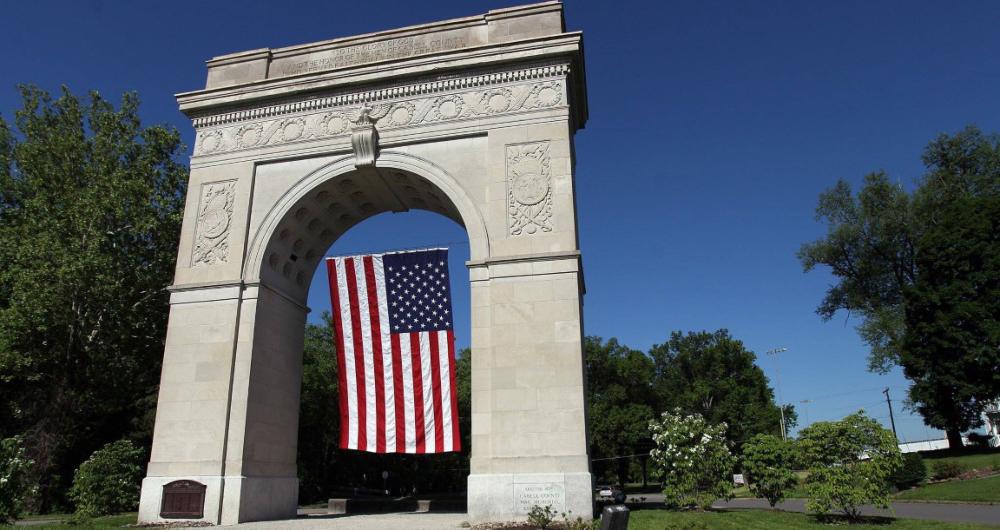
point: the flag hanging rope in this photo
(444, 245)
(392, 319)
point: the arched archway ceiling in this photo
(318, 219)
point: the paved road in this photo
(952, 513)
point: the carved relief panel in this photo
(214, 223)
(529, 188)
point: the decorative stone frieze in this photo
(529, 188)
(215, 218)
(336, 115)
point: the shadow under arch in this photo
(314, 212)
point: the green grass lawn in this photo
(974, 490)
(112, 521)
(763, 519)
(982, 460)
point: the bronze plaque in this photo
(183, 499)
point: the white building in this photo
(991, 422)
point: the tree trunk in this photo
(644, 460)
(954, 438)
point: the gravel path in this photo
(388, 521)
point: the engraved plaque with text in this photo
(183, 499)
(528, 495)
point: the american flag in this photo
(395, 352)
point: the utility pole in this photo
(781, 404)
(892, 420)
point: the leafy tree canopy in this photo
(714, 375)
(90, 213)
(921, 270)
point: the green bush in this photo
(850, 464)
(108, 482)
(946, 469)
(541, 516)
(768, 462)
(912, 473)
(13, 479)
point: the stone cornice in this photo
(413, 106)
(563, 48)
(382, 94)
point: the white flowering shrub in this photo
(13, 479)
(694, 458)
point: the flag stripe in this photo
(397, 378)
(444, 361)
(418, 393)
(456, 438)
(347, 341)
(428, 393)
(388, 380)
(359, 353)
(376, 356)
(435, 360)
(368, 355)
(406, 352)
(331, 272)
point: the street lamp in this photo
(781, 405)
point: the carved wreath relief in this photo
(343, 119)
(215, 217)
(529, 188)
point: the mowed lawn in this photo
(983, 460)
(977, 490)
(98, 523)
(764, 519)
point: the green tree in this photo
(714, 375)
(319, 418)
(851, 462)
(952, 344)
(769, 463)
(869, 247)
(90, 213)
(921, 272)
(694, 457)
(620, 401)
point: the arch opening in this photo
(322, 209)
(325, 204)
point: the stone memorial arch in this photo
(472, 118)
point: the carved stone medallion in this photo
(529, 188)
(215, 217)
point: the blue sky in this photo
(713, 128)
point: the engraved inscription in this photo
(529, 188)
(215, 217)
(374, 51)
(539, 494)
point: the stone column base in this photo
(510, 496)
(243, 499)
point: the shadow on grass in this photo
(873, 520)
